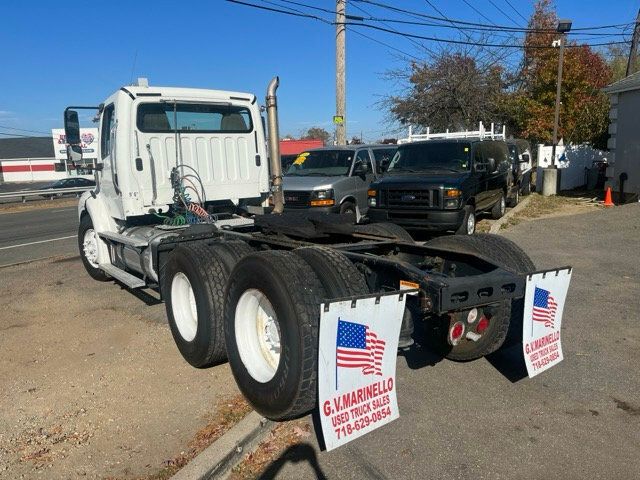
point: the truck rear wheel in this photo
(272, 315)
(386, 230)
(336, 273)
(193, 281)
(88, 246)
(491, 326)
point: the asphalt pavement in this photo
(483, 420)
(37, 233)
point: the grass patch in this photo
(285, 443)
(227, 413)
(38, 205)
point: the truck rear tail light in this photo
(483, 323)
(456, 332)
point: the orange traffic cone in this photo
(608, 202)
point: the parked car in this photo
(441, 185)
(521, 169)
(77, 182)
(334, 179)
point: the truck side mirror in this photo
(525, 158)
(491, 164)
(361, 169)
(72, 127)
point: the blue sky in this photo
(72, 52)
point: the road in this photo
(33, 234)
(482, 420)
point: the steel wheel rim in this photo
(90, 247)
(257, 335)
(471, 223)
(183, 307)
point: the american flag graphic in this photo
(544, 307)
(358, 347)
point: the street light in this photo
(550, 186)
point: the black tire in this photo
(386, 230)
(506, 316)
(348, 208)
(86, 224)
(207, 272)
(468, 227)
(338, 275)
(514, 199)
(295, 294)
(232, 251)
(499, 208)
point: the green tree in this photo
(316, 133)
(449, 91)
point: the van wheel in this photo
(193, 280)
(348, 208)
(499, 208)
(272, 315)
(468, 225)
(88, 246)
(515, 197)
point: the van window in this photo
(383, 157)
(195, 118)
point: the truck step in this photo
(117, 237)
(129, 280)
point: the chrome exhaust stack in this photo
(274, 146)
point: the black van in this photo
(440, 185)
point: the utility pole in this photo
(633, 53)
(556, 120)
(341, 123)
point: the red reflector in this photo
(457, 330)
(483, 323)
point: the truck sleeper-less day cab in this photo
(441, 185)
(335, 179)
(181, 208)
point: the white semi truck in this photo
(184, 177)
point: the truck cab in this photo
(168, 156)
(440, 185)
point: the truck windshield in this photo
(452, 156)
(322, 162)
(196, 118)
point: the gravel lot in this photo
(91, 383)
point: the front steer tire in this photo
(280, 384)
(195, 317)
(86, 230)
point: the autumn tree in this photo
(450, 91)
(316, 133)
(584, 108)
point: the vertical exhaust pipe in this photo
(274, 146)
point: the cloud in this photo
(5, 113)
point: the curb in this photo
(218, 458)
(495, 228)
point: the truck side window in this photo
(478, 155)
(105, 131)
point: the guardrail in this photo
(46, 192)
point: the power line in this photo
(518, 12)
(24, 130)
(456, 24)
(501, 27)
(508, 17)
(421, 37)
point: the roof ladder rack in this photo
(482, 133)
